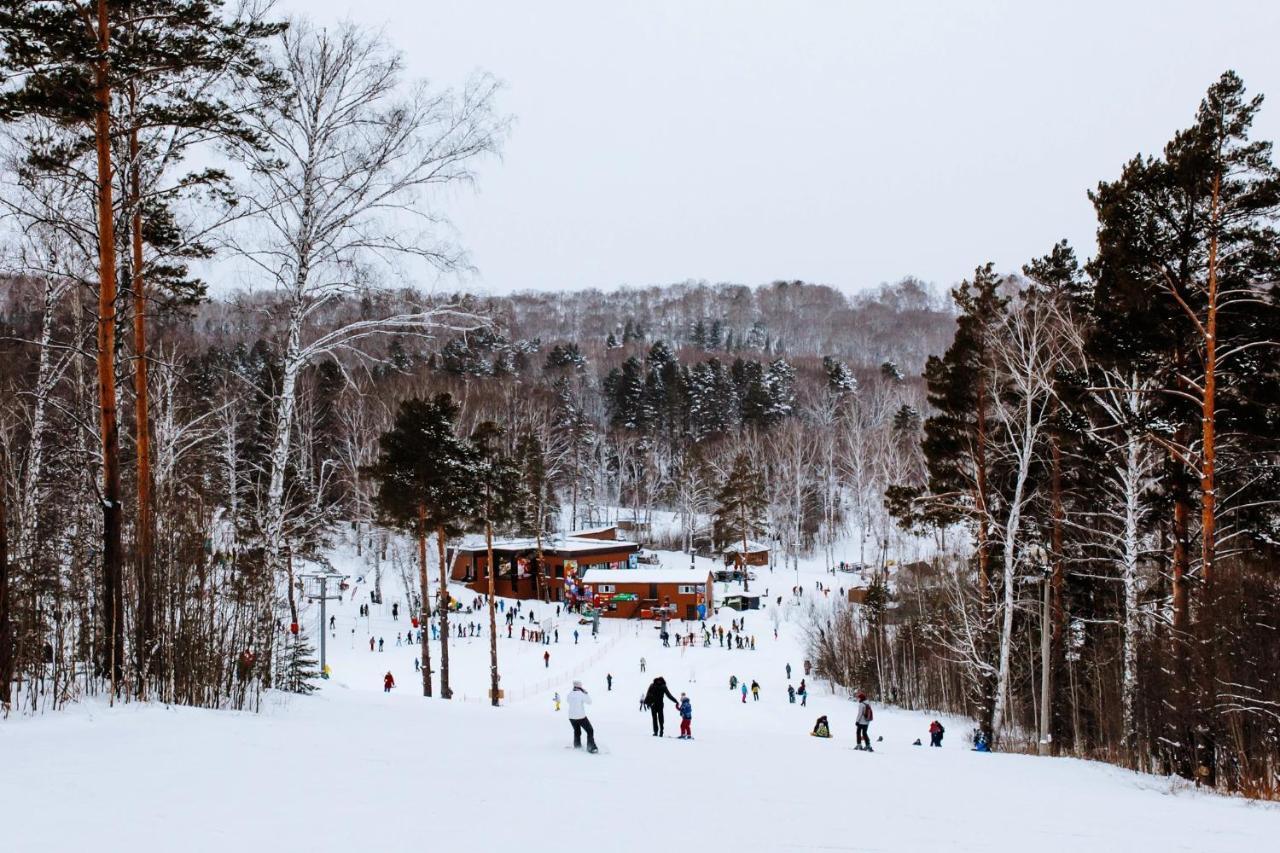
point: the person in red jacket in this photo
(388, 682)
(546, 660)
(936, 731)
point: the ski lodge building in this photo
(564, 558)
(638, 593)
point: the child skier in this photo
(863, 721)
(388, 681)
(686, 718)
(556, 699)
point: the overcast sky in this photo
(848, 143)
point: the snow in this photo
(561, 545)
(595, 576)
(354, 768)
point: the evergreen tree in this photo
(740, 510)
(426, 478)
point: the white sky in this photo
(841, 142)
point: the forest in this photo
(1062, 479)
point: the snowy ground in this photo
(353, 769)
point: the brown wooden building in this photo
(521, 575)
(756, 554)
(638, 593)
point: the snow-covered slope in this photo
(354, 769)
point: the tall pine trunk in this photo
(112, 510)
(424, 609)
(6, 629)
(442, 606)
(1206, 624)
(146, 613)
(493, 618)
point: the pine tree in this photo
(300, 668)
(740, 508)
(426, 477)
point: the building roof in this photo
(620, 576)
(560, 545)
(752, 548)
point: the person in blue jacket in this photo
(686, 718)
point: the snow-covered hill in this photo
(354, 769)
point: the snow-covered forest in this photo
(1060, 481)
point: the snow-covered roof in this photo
(593, 531)
(563, 545)
(616, 576)
(752, 548)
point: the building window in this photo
(689, 589)
(606, 587)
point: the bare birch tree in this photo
(352, 156)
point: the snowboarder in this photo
(755, 691)
(578, 702)
(863, 721)
(686, 717)
(653, 699)
(546, 660)
(821, 728)
(608, 680)
(388, 681)
(936, 731)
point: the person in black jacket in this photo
(654, 700)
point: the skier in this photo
(686, 717)
(803, 693)
(755, 691)
(743, 685)
(546, 660)
(417, 665)
(333, 621)
(788, 672)
(642, 664)
(653, 699)
(379, 644)
(733, 682)
(578, 702)
(388, 681)
(936, 731)
(575, 636)
(791, 694)
(608, 680)
(863, 722)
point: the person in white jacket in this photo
(579, 699)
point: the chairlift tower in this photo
(316, 588)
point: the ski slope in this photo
(352, 768)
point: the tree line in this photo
(1105, 434)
